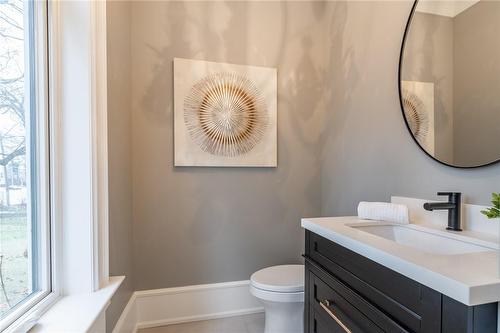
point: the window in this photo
(25, 277)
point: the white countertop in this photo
(471, 278)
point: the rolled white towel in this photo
(383, 211)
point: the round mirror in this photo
(449, 80)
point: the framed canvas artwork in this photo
(225, 115)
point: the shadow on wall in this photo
(202, 212)
(222, 39)
(343, 120)
(157, 102)
(305, 94)
(344, 74)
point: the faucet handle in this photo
(452, 196)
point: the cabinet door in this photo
(458, 318)
(415, 307)
(329, 302)
(328, 309)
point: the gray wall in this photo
(342, 137)
(205, 225)
(428, 57)
(477, 84)
(119, 154)
(368, 153)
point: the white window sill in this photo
(77, 313)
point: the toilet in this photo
(281, 291)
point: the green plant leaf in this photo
(493, 212)
(496, 200)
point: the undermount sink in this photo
(430, 242)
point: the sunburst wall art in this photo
(224, 114)
(418, 104)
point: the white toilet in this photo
(281, 290)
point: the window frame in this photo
(78, 168)
(41, 61)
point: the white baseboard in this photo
(159, 307)
(127, 323)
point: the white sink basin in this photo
(425, 241)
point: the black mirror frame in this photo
(407, 28)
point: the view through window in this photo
(21, 113)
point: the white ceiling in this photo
(450, 8)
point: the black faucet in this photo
(454, 207)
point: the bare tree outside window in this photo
(15, 264)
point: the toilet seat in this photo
(273, 296)
(282, 278)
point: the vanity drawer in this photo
(415, 307)
(322, 323)
(333, 305)
(324, 326)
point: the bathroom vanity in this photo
(376, 277)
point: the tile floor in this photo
(253, 323)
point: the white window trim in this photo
(92, 33)
(100, 144)
(79, 172)
(82, 143)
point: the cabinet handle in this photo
(325, 304)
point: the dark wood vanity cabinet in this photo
(346, 292)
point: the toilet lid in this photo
(283, 278)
